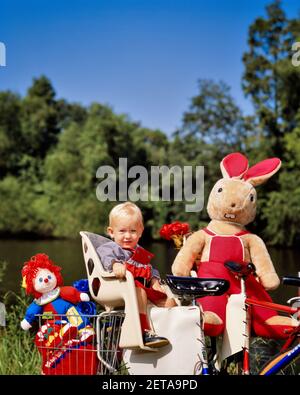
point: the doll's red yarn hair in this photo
(30, 269)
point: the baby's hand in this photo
(119, 270)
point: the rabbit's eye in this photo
(251, 198)
(220, 189)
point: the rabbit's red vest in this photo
(224, 248)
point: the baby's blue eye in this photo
(40, 280)
(49, 277)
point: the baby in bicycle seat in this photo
(124, 253)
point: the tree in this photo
(40, 118)
(269, 79)
(282, 209)
(70, 169)
(11, 139)
(212, 127)
(215, 118)
(51, 150)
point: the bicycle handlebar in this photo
(291, 280)
(240, 269)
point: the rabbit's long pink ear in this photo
(262, 171)
(234, 165)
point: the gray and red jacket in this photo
(137, 261)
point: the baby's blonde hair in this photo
(126, 210)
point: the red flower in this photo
(179, 228)
(175, 231)
(165, 232)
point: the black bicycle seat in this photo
(197, 287)
(291, 280)
(241, 269)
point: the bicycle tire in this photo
(274, 365)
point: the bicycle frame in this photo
(233, 342)
(290, 355)
(183, 325)
(281, 361)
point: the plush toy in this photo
(65, 326)
(231, 206)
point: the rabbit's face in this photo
(232, 200)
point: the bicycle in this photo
(119, 338)
(289, 352)
(187, 290)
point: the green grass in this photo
(18, 354)
(263, 350)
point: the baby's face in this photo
(126, 233)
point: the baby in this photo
(124, 253)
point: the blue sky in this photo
(141, 57)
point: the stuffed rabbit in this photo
(231, 206)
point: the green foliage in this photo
(269, 77)
(50, 149)
(11, 140)
(39, 118)
(18, 354)
(16, 212)
(3, 266)
(282, 210)
(215, 118)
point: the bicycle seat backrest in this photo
(291, 280)
(97, 240)
(112, 293)
(196, 287)
(240, 269)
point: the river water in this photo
(68, 255)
